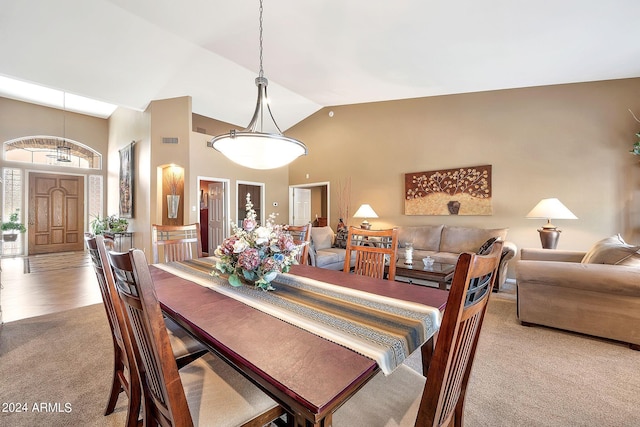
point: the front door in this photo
(56, 213)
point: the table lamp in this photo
(365, 211)
(548, 209)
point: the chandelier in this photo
(262, 145)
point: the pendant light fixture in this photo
(262, 145)
(63, 151)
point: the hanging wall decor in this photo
(126, 181)
(462, 191)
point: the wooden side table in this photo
(437, 272)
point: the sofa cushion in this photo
(468, 239)
(322, 237)
(613, 250)
(423, 238)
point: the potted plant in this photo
(13, 227)
(110, 224)
(116, 224)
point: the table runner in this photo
(384, 329)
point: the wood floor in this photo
(26, 295)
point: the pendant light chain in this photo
(261, 73)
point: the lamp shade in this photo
(550, 209)
(365, 211)
(259, 150)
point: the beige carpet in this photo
(522, 376)
(58, 261)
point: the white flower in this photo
(262, 235)
(240, 246)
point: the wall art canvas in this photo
(462, 191)
(126, 181)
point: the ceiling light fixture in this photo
(262, 145)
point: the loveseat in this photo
(595, 292)
(441, 242)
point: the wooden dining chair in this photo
(207, 391)
(175, 242)
(185, 348)
(374, 249)
(301, 235)
(125, 372)
(406, 398)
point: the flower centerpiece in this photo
(256, 253)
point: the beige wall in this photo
(21, 119)
(127, 126)
(569, 141)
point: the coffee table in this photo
(437, 272)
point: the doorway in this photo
(255, 190)
(318, 205)
(55, 213)
(214, 212)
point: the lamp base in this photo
(365, 225)
(549, 237)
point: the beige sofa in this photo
(562, 289)
(445, 243)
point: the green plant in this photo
(98, 225)
(110, 223)
(636, 147)
(14, 223)
(117, 225)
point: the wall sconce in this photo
(365, 211)
(548, 209)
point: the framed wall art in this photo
(461, 191)
(126, 181)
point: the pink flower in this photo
(285, 242)
(227, 245)
(249, 224)
(249, 259)
(270, 264)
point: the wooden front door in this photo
(56, 213)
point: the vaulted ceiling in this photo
(316, 53)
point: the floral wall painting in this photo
(126, 181)
(462, 191)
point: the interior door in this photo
(301, 206)
(56, 213)
(217, 219)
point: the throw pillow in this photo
(613, 250)
(341, 238)
(485, 249)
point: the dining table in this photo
(309, 375)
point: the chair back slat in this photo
(165, 401)
(301, 235)
(175, 242)
(450, 367)
(374, 250)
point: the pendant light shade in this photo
(262, 145)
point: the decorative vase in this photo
(454, 207)
(408, 253)
(173, 201)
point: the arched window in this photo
(52, 150)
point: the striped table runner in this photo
(384, 329)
